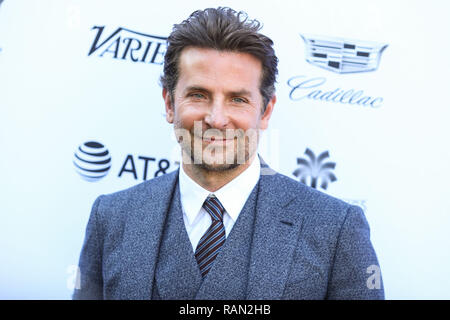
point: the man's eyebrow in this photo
(241, 92)
(195, 88)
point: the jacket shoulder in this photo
(119, 204)
(149, 188)
(322, 213)
(309, 197)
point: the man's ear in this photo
(267, 113)
(169, 106)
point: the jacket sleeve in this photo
(90, 264)
(355, 273)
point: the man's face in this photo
(217, 107)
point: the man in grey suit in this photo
(224, 226)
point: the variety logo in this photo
(129, 45)
(315, 169)
(92, 161)
(343, 55)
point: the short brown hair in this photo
(222, 29)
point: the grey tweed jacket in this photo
(306, 244)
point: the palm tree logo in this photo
(316, 168)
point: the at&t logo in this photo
(92, 161)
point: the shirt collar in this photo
(233, 195)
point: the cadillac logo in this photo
(343, 55)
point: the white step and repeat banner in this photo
(362, 114)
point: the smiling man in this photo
(224, 226)
(217, 109)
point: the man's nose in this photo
(217, 116)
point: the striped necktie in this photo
(210, 243)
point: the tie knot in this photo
(215, 209)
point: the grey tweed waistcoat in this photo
(177, 275)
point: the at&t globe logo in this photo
(92, 161)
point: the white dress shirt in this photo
(232, 196)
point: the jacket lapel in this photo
(277, 228)
(142, 237)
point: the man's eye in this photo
(239, 100)
(197, 95)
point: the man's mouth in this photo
(213, 139)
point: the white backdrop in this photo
(391, 159)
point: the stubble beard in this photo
(219, 157)
(217, 161)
